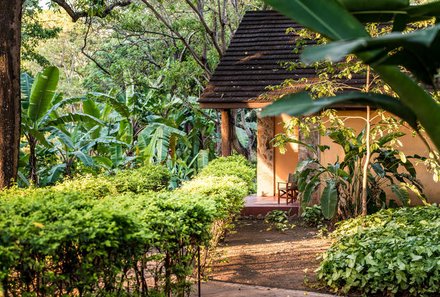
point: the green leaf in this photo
(74, 117)
(309, 190)
(42, 93)
(202, 159)
(54, 174)
(90, 108)
(84, 158)
(303, 104)
(378, 169)
(336, 51)
(329, 200)
(389, 137)
(374, 5)
(401, 193)
(106, 162)
(63, 137)
(431, 9)
(39, 136)
(118, 106)
(327, 17)
(26, 82)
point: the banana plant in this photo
(41, 110)
(389, 168)
(74, 145)
(341, 22)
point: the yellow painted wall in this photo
(411, 145)
(284, 163)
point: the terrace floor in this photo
(258, 205)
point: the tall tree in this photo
(10, 39)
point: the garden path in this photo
(254, 256)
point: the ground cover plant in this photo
(111, 235)
(393, 252)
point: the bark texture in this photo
(10, 31)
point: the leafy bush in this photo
(392, 253)
(312, 216)
(139, 180)
(278, 220)
(110, 235)
(234, 165)
(228, 191)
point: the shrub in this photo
(228, 191)
(145, 178)
(235, 166)
(278, 220)
(392, 252)
(139, 180)
(110, 236)
(312, 216)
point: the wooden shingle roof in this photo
(254, 62)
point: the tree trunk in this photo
(10, 31)
(33, 176)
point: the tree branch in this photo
(180, 37)
(208, 30)
(76, 15)
(83, 50)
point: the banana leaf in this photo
(42, 93)
(303, 104)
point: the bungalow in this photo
(255, 61)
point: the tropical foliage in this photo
(340, 183)
(100, 131)
(112, 235)
(334, 20)
(391, 253)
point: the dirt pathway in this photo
(255, 256)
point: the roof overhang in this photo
(233, 105)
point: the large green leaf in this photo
(425, 10)
(303, 104)
(202, 159)
(39, 136)
(327, 17)
(64, 138)
(401, 193)
(331, 19)
(312, 185)
(329, 200)
(416, 51)
(26, 82)
(118, 106)
(336, 51)
(76, 117)
(103, 140)
(373, 5)
(43, 91)
(89, 107)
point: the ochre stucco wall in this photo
(282, 164)
(411, 145)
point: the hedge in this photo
(232, 166)
(111, 236)
(390, 253)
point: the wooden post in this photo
(226, 132)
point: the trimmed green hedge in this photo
(390, 253)
(111, 236)
(232, 166)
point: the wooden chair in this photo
(288, 190)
